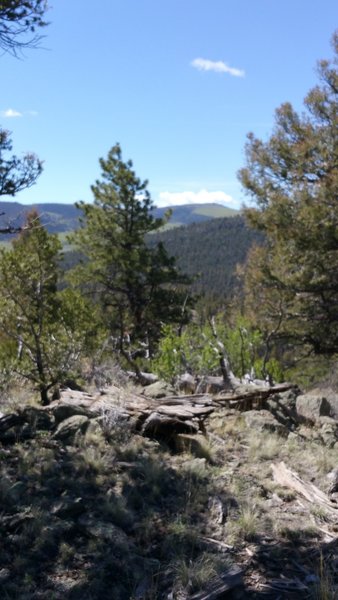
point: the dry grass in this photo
(152, 507)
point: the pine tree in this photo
(139, 287)
(19, 22)
(293, 177)
(42, 329)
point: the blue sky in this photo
(178, 83)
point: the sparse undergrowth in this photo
(114, 515)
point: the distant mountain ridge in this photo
(57, 218)
(64, 218)
(195, 213)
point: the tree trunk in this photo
(44, 395)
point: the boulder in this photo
(195, 465)
(333, 477)
(68, 507)
(332, 398)
(24, 424)
(67, 429)
(328, 431)
(186, 383)
(311, 406)
(101, 530)
(211, 385)
(37, 418)
(263, 420)
(65, 410)
(159, 389)
(283, 408)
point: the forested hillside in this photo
(210, 252)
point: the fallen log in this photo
(193, 399)
(250, 398)
(186, 411)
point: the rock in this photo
(328, 431)
(63, 411)
(263, 420)
(68, 428)
(146, 378)
(24, 424)
(332, 398)
(68, 507)
(196, 465)
(283, 408)
(186, 383)
(71, 400)
(102, 530)
(333, 477)
(37, 418)
(11, 493)
(311, 406)
(159, 389)
(162, 427)
(5, 574)
(211, 385)
(97, 433)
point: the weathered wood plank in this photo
(290, 479)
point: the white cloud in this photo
(201, 197)
(203, 64)
(10, 113)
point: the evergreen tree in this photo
(139, 287)
(42, 329)
(19, 22)
(16, 174)
(293, 177)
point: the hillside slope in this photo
(210, 252)
(207, 248)
(92, 508)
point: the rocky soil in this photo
(138, 494)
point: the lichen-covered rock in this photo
(331, 397)
(186, 383)
(64, 411)
(328, 431)
(159, 389)
(311, 406)
(67, 429)
(263, 420)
